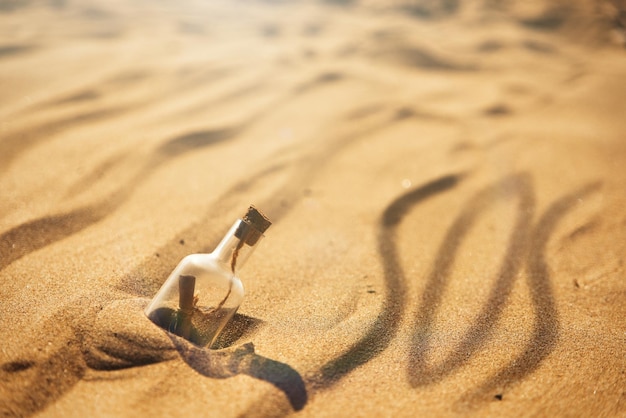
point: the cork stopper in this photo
(252, 227)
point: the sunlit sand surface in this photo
(446, 181)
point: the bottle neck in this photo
(237, 245)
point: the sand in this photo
(445, 180)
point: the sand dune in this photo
(445, 180)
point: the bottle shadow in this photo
(221, 364)
(122, 337)
(225, 360)
(240, 326)
(119, 336)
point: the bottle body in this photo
(197, 300)
(204, 291)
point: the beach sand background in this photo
(446, 181)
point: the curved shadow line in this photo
(44, 231)
(385, 327)
(21, 141)
(547, 327)
(31, 236)
(8, 51)
(419, 57)
(196, 140)
(38, 233)
(98, 171)
(419, 372)
(40, 392)
(40, 383)
(18, 143)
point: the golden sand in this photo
(446, 182)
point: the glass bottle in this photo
(204, 291)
